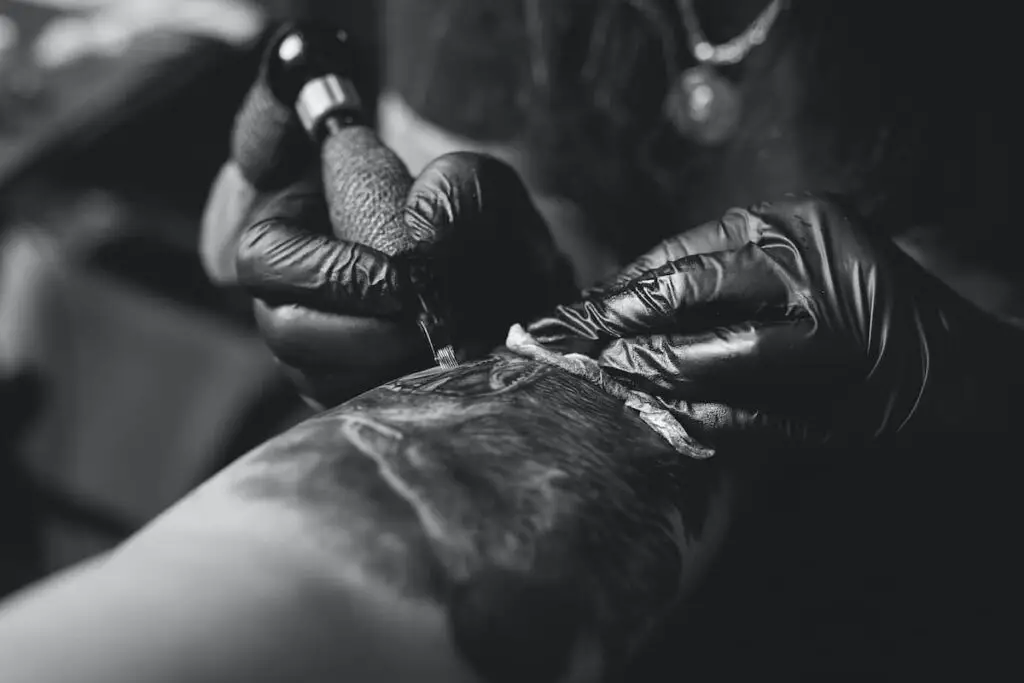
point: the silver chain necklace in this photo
(703, 105)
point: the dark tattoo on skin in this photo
(534, 506)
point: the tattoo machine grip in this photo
(309, 68)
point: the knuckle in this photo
(427, 215)
(251, 248)
(338, 268)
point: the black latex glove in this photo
(789, 322)
(341, 317)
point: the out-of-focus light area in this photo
(126, 377)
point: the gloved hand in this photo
(789, 323)
(341, 316)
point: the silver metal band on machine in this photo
(323, 96)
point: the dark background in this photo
(151, 378)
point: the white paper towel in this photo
(650, 410)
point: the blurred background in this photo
(125, 376)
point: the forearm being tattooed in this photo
(519, 523)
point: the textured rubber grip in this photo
(268, 142)
(367, 188)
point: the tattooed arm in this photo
(496, 522)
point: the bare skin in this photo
(454, 517)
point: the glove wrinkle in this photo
(814, 328)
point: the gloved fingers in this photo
(685, 294)
(720, 425)
(234, 204)
(463, 193)
(319, 342)
(729, 233)
(280, 260)
(492, 255)
(301, 202)
(737, 363)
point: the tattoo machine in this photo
(307, 70)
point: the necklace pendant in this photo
(703, 106)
